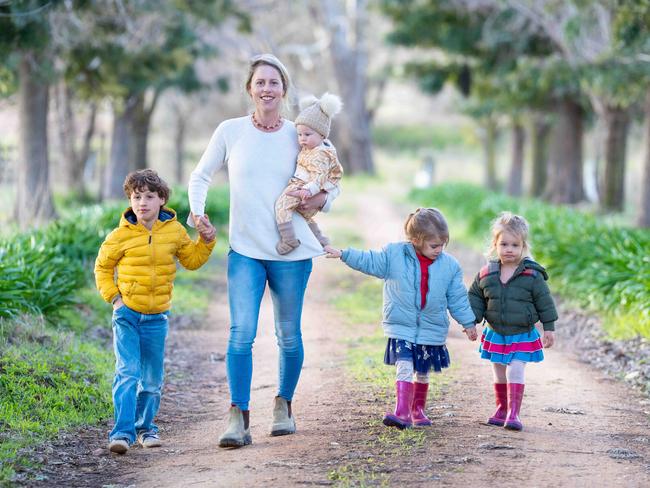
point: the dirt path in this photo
(581, 429)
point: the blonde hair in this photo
(273, 62)
(512, 224)
(426, 223)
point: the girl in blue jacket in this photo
(421, 282)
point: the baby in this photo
(318, 169)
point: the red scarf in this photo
(424, 276)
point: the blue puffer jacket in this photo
(398, 266)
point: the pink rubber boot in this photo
(501, 396)
(419, 403)
(515, 396)
(401, 418)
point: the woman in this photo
(260, 150)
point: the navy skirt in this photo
(425, 358)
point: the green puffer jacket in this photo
(516, 306)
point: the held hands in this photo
(472, 335)
(206, 230)
(549, 339)
(332, 252)
(311, 203)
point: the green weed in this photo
(348, 476)
(361, 300)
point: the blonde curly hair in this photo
(512, 224)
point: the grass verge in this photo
(56, 374)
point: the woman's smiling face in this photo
(266, 89)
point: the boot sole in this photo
(498, 423)
(275, 433)
(426, 423)
(391, 422)
(236, 442)
(513, 426)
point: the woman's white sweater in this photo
(260, 165)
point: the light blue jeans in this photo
(139, 345)
(247, 278)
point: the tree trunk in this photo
(33, 196)
(617, 121)
(643, 218)
(539, 142)
(179, 144)
(517, 167)
(84, 154)
(141, 123)
(350, 66)
(489, 132)
(71, 174)
(119, 163)
(565, 181)
(74, 162)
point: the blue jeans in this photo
(247, 278)
(139, 345)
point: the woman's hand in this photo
(204, 227)
(332, 252)
(549, 339)
(310, 204)
(206, 230)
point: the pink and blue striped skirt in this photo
(503, 349)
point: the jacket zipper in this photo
(418, 306)
(153, 271)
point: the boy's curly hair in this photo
(426, 223)
(146, 179)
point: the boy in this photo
(141, 250)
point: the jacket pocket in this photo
(127, 289)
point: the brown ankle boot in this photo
(288, 241)
(324, 241)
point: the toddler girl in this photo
(421, 282)
(510, 292)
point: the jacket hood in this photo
(129, 217)
(528, 263)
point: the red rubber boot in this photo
(501, 396)
(515, 396)
(401, 418)
(419, 403)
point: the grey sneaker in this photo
(283, 424)
(235, 434)
(118, 446)
(149, 439)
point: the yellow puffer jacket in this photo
(144, 260)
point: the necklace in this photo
(256, 123)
